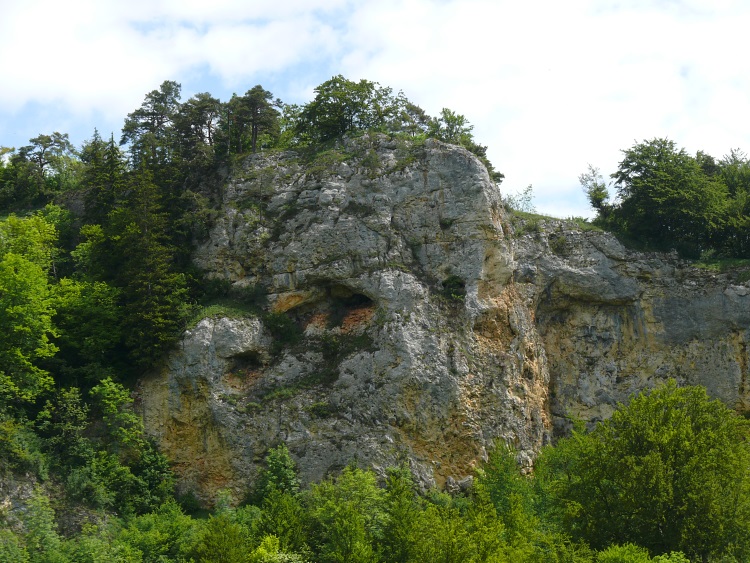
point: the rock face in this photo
(615, 322)
(408, 320)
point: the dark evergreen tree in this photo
(103, 177)
(196, 125)
(149, 130)
(154, 291)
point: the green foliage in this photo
(196, 124)
(454, 288)
(269, 551)
(451, 128)
(341, 106)
(628, 553)
(323, 163)
(21, 448)
(509, 491)
(454, 128)
(106, 462)
(166, 534)
(114, 406)
(668, 199)
(87, 318)
(347, 517)
(102, 545)
(222, 541)
(12, 549)
(283, 516)
(558, 244)
(40, 538)
(38, 171)
(669, 472)
(61, 423)
(284, 330)
(522, 201)
(401, 509)
(441, 535)
(280, 474)
(595, 189)
(252, 121)
(26, 324)
(321, 409)
(527, 223)
(32, 237)
(631, 553)
(154, 293)
(103, 178)
(148, 129)
(584, 224)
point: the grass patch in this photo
(323, 163)
(286, 392)
(737, 268)
(584, 224)
(524, 222)
(558, 244)
(446, 223)
(285, 331)
(222, 308)
(722, 265)
(371, 162)
(321, 409)
(453, 288)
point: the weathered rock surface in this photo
(615, 322)
(390, 366)
(417, 326)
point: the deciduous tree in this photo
(666, 199)
(669, 472)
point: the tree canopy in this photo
(670, 472)
(667, 199)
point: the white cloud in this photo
(552, 86)
(548, 85)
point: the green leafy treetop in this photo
(667, 199)
(280, 474)
(148, 129)
(26, 308)
(669, 472)
(341, 106)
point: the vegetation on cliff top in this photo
(667, 199)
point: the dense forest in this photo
(96, 284)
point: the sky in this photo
(549, 86)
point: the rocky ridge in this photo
(409, 320)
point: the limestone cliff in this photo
(408, 320)
(614, 321)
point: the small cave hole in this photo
(345, 304)
(245, 370)
(246, 362)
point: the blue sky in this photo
(549, 86)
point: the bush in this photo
(670, 472)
